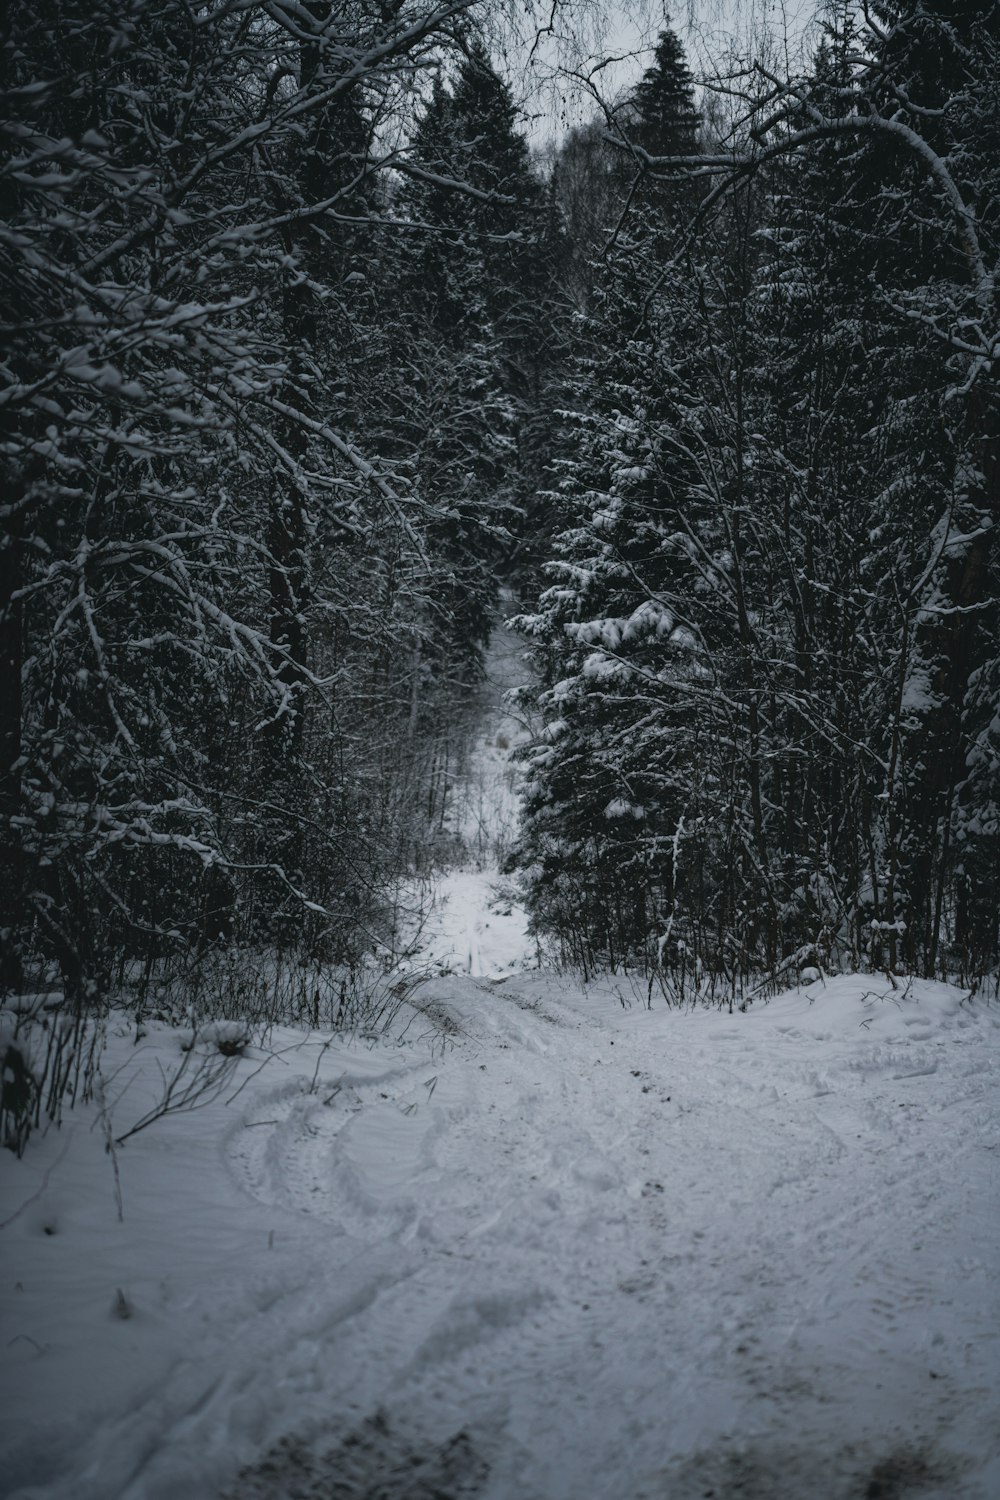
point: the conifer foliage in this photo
(768, 651)
(248, 516)
(302, 359)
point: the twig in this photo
(109, 1142)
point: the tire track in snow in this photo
(719, 1254)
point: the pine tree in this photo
(935, 75)
(210, 593)
(616, 633)
(466, 284)
(828, 470)
(805, 489)
(667, 120)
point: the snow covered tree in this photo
(209, 572)
(617, 633)
(806, 491)
(884, 130)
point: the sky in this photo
(595, 52)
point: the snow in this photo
(568, 1245)
(477, 929)
(600, 668)
(543, 1240)
(477, 926)
(617, 808)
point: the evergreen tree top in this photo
(468, 132)
(667, 119)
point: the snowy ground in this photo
(475, 927)
(542, 1246)
(542, 1243)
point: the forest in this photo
(313, 360)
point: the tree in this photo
(473, 345)
(904, 105)
(618, 650)
(663, 104)
(205, 572)
(808, 487)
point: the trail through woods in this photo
(540, 1243)
(476, 926)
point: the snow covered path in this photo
(539, 1246)
(538, 1243)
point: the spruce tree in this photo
(666, 118)
(466, 282)
(614, 633)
